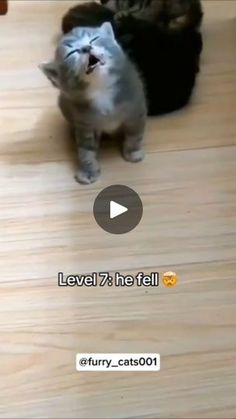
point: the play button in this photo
(118, 209)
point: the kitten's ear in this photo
(51, 72)
(107, 30)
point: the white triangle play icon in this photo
(116, 209)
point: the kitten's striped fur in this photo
(100, 92)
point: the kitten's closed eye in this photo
(71, 52)
(94, 39)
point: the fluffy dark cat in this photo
(170, 15)
(168, 61)
(86, 15)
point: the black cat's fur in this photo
(169, 15)
(167, 62)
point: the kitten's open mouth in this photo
(93, 62)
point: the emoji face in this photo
(169, 279)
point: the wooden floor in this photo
(187, 184)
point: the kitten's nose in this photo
(86, 49)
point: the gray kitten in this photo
(100, 92)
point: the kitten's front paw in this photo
(134, 156)
(87, 177)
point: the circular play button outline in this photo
(118, 209)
